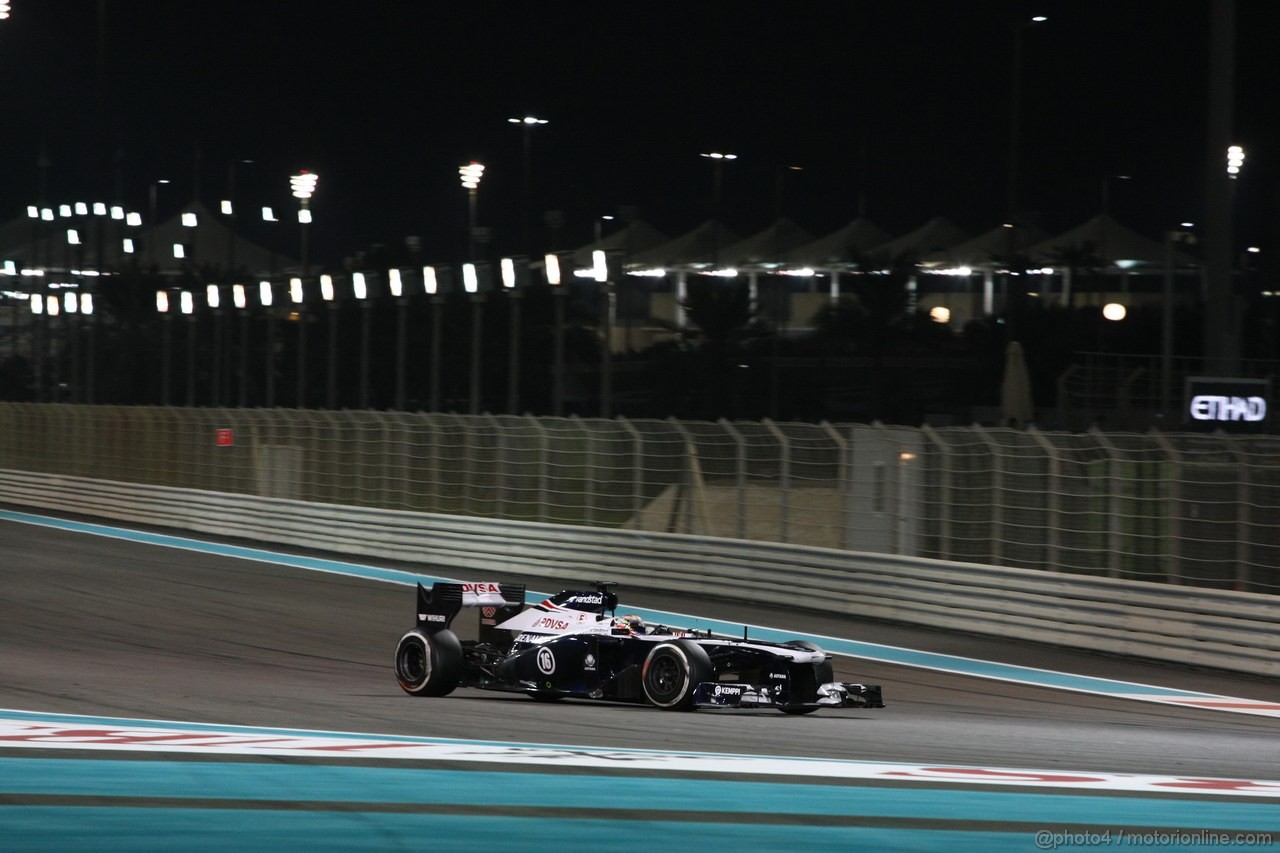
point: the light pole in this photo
(213, 298)
(162, 306)
(267, 298)
(331, 383)
(471, 283)
(240, 299)
(395, 284)
(527, 124)
(297, 296)
(37, 342)
(599, 229)
(151, 238)
(360, 290)
(303, 186)
(511, 285)
(86, 310)
(1015, 108)
(229, 210)
(470, 175)
(431, 285)
(717, 159)
(71, 310)
(1171, 239)
(1221, 320)
(187, 303)
(1106, 189)
(600, 272)
(780, 190)
(558, 294)
(71, 343)
(52, 308)
(717, 178)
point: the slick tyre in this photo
(820, 673)
(672, 672)
(428, 664)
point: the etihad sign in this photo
(1213, 407)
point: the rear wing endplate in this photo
(438, 605)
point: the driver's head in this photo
(630, 622)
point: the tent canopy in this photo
(980, 251)
(769, 246)
(635, 236)
(845, 247)
(938, 234)
(1108, 241)
(701, 246)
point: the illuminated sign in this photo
(1214, 407)
(1228, 404)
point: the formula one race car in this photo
(573, 645)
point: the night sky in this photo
(899, 110)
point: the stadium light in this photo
(1235, 160)
(470, 175)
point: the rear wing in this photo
(497, 602)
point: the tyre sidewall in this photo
(694, 667)
(442, 656)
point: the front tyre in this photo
(428, 664)
(672, 672)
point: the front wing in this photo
(837, 694)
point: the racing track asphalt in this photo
(93, 625)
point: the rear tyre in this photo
(672, 672)
(821, 673)
(428, 664)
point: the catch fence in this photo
(1180, 508)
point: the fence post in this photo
(1113, 510)
(1244, 527)
(689, 494)
(740, 475)
(784, 481)
(944, 491)
(842, 481)
(1053, 501)
(588, 459)
(499, 467)
(997, 495)
(1175, 501)
(637, 469)
(543, 468)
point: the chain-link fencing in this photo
(1180, 508)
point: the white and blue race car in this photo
(572, 645)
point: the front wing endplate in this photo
(837, 694)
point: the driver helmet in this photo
(630, 622)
